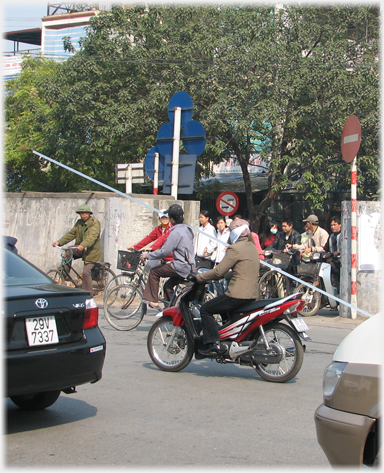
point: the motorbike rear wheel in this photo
(312, 300)
(293, 354)
(170, 347)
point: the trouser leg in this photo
(87, 278)
(218, 305)
(151, 291)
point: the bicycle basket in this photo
(128, 260)
(281, 259)
(306, 269)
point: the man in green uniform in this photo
(86, 233)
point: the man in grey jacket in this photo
(243, 258)
(180, 238)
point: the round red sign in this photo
(350, 139)
(227, 203)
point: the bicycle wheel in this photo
(312, 300)
(102, 281)
(273, 285)
(123, 307)
(118, 280)
(170, 347)
(55, 275)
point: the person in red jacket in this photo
(158, 235)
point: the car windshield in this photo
(17, 271)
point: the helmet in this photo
(84, 208)
(175, 211)
(162, 213)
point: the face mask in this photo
(274, 231)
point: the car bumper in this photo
(56, 368)
(342, 435)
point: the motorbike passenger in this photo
(179, 239)
(243, 258)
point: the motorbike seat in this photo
(252, 306)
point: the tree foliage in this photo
(285, 80)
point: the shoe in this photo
(213, 350)
(151, 305)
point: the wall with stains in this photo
(37, 219)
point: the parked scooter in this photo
(317, 272)
(265, 335)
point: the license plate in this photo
(41, 330)
(300, 325)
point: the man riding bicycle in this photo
(86, 233)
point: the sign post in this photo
(176, 152)
(350, 144)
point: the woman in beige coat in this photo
(243, 258)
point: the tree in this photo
(287, 78)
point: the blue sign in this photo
(193, 136)
(187, 165)
(149, 164)
(165, 138)
(184, 101)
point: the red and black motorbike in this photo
(264, 334)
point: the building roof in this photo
(31, 36)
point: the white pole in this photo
(156, 175)
(354, 236)
(176, 152)
(128, 180)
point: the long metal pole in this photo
(176, 152)
(354, 236)
(156, 175)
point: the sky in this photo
(19, 15)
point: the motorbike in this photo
(317, 271)
(263, 334)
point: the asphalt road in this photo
(208, 415)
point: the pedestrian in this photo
(205, 246)
(222, 234)
(256, 240)
(269, 235)
(86, 233)
(242, 257)
(333, 246)
(178, 242)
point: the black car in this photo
(53, 342)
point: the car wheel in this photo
(36, 401)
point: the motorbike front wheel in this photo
(170, 347)
(293, 354)
(312, 300)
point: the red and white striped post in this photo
(350, 144)
(156, 175)
(354, 236)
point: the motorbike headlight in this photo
(332, 375)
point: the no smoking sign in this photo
(227, 203)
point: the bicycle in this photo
(101, 274)
(124, 308)
(273, 284)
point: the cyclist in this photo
(86, 233)
(286, 239)
(180, 238)
(158, 236)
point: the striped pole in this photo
(354, 236)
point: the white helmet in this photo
(162, 213)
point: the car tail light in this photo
(91, 314)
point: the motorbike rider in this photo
(317, 238)
(180, 238)
(243, 258)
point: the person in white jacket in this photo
(205, 246)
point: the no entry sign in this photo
(351, 139)
(227, 203)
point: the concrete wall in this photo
(369, 281)
(37, 219)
